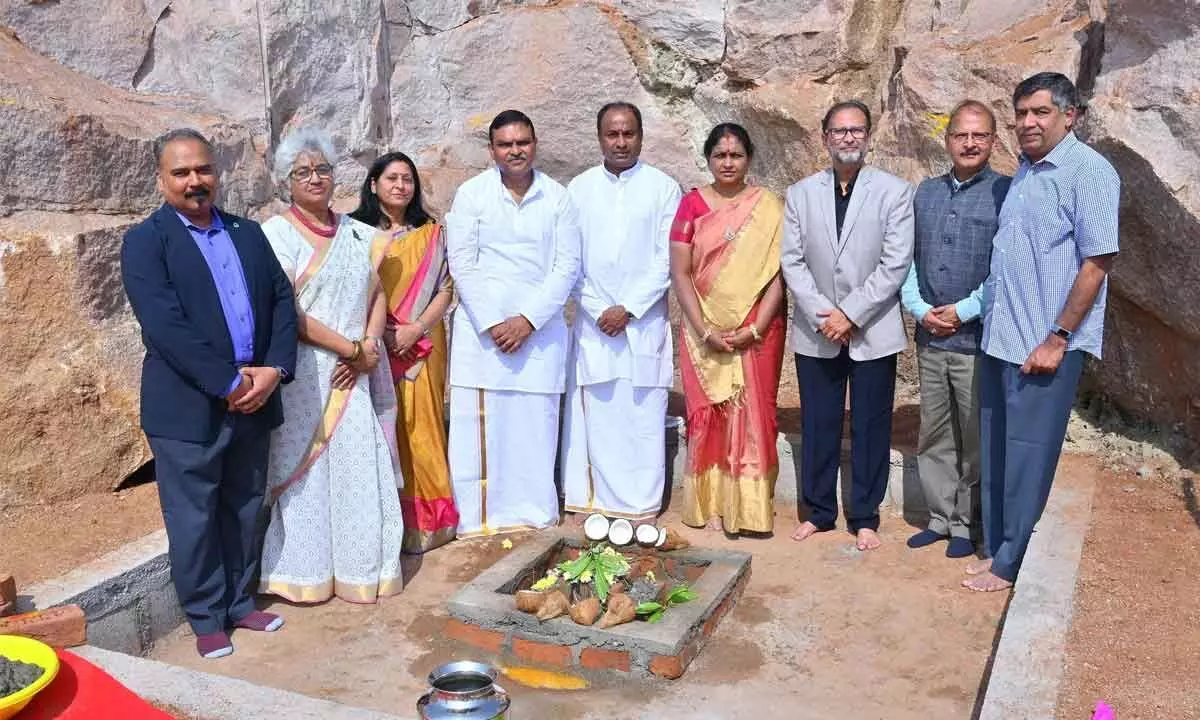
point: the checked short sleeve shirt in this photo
(1058, 212)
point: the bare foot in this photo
(986, 582)
(977, 567)
(715, 524)
(868, 539)
(804, 531)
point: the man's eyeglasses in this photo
(301, 174)
(840, 133)
(962, 137)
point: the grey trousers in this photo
(1022, 423)
(948, 446)
(211, 494)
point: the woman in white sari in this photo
(336, 527)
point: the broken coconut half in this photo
(647, 535)
(620, 532)
(595, 528)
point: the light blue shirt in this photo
(967, 309)
(1058, 212)
(230, 280)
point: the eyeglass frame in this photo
(961, 137)
(858, 132)
(323, 171)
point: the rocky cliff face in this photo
(86, 88)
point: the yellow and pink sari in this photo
(413, 272)
(732, 460)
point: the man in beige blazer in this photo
(847, 246)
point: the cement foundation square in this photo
(483, 613)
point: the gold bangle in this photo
(357, 352)
(754, 333)
(707, 334)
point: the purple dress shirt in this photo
(226, 267)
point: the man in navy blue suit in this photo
(219, 325)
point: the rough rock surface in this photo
(83, 94)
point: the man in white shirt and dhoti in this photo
(513, 248)
(621, 366)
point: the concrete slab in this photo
(215, 697)
(126, 595)
(1027, 668)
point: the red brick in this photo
(8, 595)
(544, 653)
(597, 659)
(667, 666)
(62, 626)
(489, 640)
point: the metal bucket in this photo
(464, 690)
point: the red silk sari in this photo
(732, 459)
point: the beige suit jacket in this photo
(860, 272)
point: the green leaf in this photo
(656, 616)
(647, 608)
(602, 584)
(681, 594)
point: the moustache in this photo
(514, 158)
(197, 193)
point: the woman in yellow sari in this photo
(725, 271)
(415, 278)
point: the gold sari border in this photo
(632, 517)
(488, 532)
(744, 502)
(418, 542)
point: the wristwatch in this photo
(1062, 332)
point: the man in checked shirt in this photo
(1043, 309)
(957, 215)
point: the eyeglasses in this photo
(962, 137)
(302, 174)
(840, 133)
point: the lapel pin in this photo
(235, 225)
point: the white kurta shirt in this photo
(508, 259)
(626, 222)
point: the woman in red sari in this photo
(725, 271)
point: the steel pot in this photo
(464, 690)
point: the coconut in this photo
(595, 528)
(620, 532)
(646, 534)
(662, 539)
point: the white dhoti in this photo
(502, 450)
(614, 446)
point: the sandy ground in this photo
(822, 631)
(44, 541)
(1135, 639)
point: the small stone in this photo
(1129, 489)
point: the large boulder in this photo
(70, 360)
(328, 65)
(446, 88)
(73, 143)
(1144, 117)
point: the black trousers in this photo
(211, 494)
(822, 412)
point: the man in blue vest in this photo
(957, 215)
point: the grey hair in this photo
(162, 141)
(300, 141)
(1062, 90)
